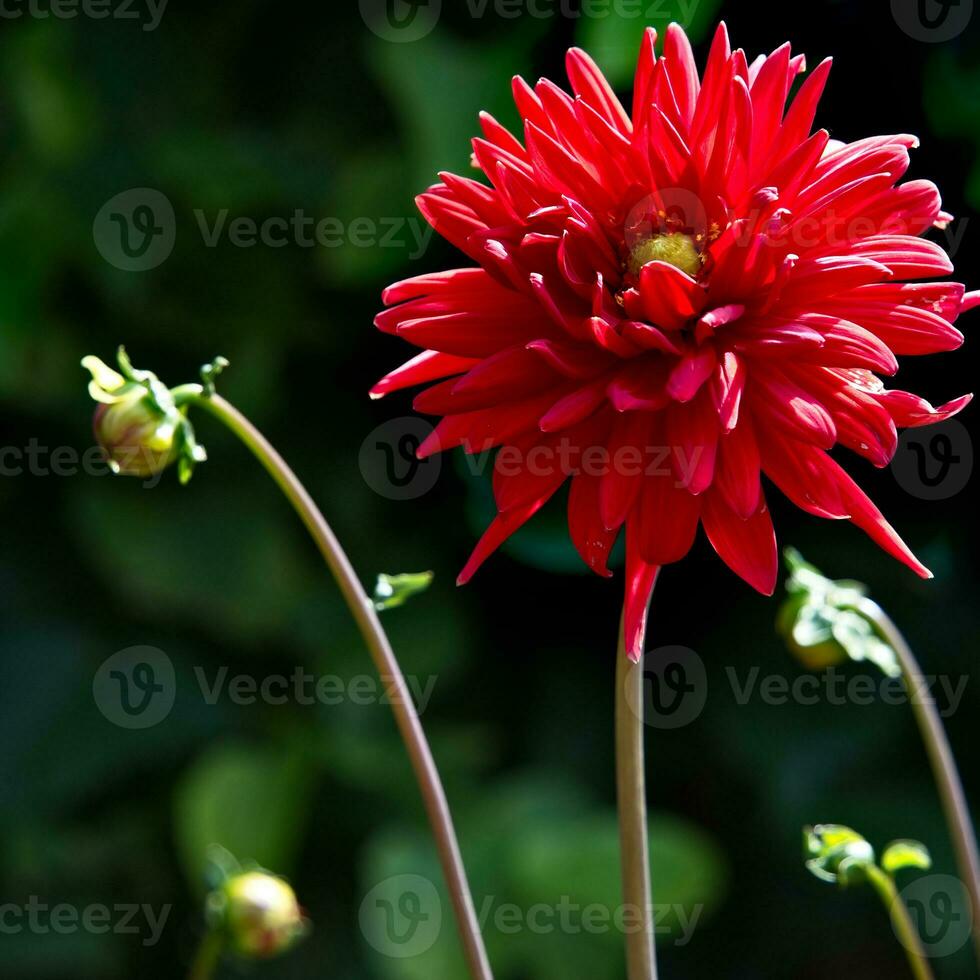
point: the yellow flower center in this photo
(675, 248)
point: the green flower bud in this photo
(260, 914)
(822, 624)
(137, 439)
(837, 854)
(137, 422)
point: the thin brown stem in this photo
(641, 959)
(941, 759)
(406, 717)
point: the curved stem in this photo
(207, 957)
(364, 613)
(641, 959)
(901, 922)
(941, 759)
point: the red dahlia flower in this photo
(666, 306)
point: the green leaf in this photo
(901, 854)
(391, 591)
(250, 800)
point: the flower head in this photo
(670, 302)
(260, 914)
(138, 423)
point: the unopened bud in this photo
(137, 423)
(260, 914)
(137, 439)
(837, 854)
(823, 623)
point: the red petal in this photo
(747, 547)
(692, 434)
(626, 460)
(726, 389)
(691, 372)
(591, 538)
(667, 516)
(910, 411)
(670, 297)
(641, 577)
(430, 365)
(737, 472)
(503, 526)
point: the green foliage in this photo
(391, 591)
(822, 623)
(261, 109)
(547, 883)
(249, 799)
(839, 855)
(901, 854)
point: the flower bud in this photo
(260, 913)
(823, 624)
(837, 854)
(137, 439)
(138, 423)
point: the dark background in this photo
(262, 109)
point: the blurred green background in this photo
(260, 110)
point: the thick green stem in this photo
(941, 759)
(901, 922)
(207, 957)
(641, 959)
(362, 608)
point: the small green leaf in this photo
(395, 590)
(901, 854)
(210, 371)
